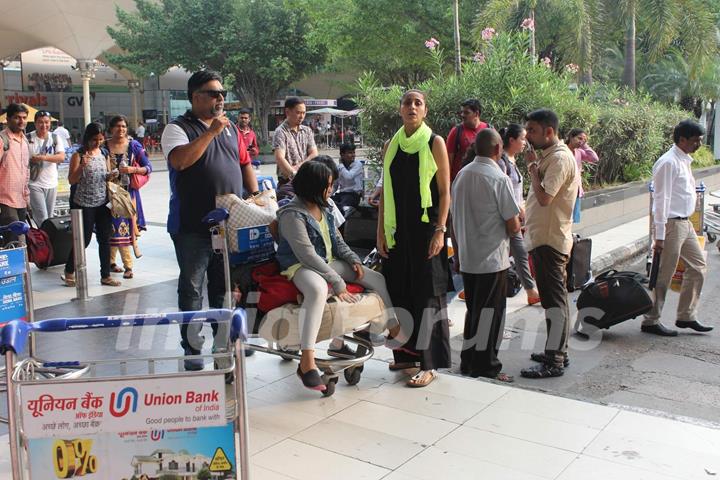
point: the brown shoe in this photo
(115, 269)
(68, 279)
(128, 273)
(109, 282)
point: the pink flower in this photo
(432, 43)
(479, 57)
(546, 61)
(528, 24)
(488, 34)
(572, 68)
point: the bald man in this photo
(485, 216)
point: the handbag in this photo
(138, 180)
(513, 284)
(259, 210)
(39, 247)
(121, 203)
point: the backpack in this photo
(39, 247)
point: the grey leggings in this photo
(315, 292)
(520, 255)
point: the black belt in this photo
(678, 218)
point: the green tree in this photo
(204, 474)
(260, 47)
(651, 27)
(566, 30)
(388, 37)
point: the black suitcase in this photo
(60, 234)
(612, 298)
(578, 267)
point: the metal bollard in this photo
(81, 285)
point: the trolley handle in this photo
(14, 334)
(16, 228)
(214, 217)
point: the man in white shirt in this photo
(673, 203)
(62, 132)
(351, 178)
(48, 150)
(140, 132)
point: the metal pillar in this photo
(87, 73)
(81, 285)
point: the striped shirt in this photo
(15, 171)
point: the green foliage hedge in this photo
(628, 130)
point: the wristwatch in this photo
(441, 228)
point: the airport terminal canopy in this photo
(78, 27)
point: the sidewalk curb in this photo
(619, 255)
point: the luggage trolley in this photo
(697, 218)
(331, 367)
(158, 420)
(712, 219)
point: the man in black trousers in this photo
(485, 215)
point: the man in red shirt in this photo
(248, 134)
(468, 129)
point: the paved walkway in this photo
(455, 428)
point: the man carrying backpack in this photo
(462, 136)
(14, 170)
(48, 151)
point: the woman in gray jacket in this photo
(313, 254)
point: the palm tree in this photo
(689, 24)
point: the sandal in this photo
(68, 279)
(504, 377)
(115, 269)
(128, 273)
(422, 379)
(109, 282)
(395, 366)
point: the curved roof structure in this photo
(78, 27)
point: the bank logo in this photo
(125, 400)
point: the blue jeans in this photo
(197, 260)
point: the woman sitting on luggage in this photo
(312, 254)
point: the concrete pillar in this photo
(87, 73)
(134, 87)
(61, 106)
(3, 64)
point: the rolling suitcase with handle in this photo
(60, 234)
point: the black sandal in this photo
(540, 357)
(311, 379)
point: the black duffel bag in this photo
(613, 298)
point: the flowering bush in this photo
(488, 34)
(629, 131)
(432, 43)
(528, 24)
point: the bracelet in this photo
(441, 228)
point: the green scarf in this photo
(418, 143)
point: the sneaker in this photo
(192, 364)
(375, 339)
(542, 371)
(540, 357)
(342, 352)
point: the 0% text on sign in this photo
(72, 458)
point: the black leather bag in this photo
(612, 298)
(513, 284)
(59, 232)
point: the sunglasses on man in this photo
(214, 93)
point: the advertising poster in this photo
(12, 287)
(68, 410)
(52, 70)
(182, 454)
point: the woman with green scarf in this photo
(411, 237)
